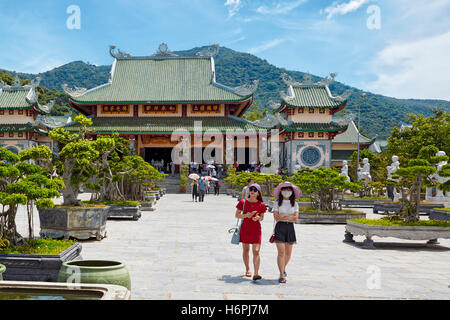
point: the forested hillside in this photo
(379, 114)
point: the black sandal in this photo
(257, 278)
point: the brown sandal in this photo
(257, 278)
(248, 274)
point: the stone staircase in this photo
(171, 183)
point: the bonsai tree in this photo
(76, 162)
(323, 185)
(24, 183)
(411, 180)
(138, 175)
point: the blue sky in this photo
(404, 53)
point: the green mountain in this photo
(379, 114)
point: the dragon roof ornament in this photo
(246, 89)
(119, 54)
(308, 80)
(287, 96)
(210, 51)
(274, 105)
(343, 97)
(77, 92)
(269, 121)
(343, 121)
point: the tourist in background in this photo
(201, 190)
(216, 187)
(285, 214)
(251, 210)
(195, 190)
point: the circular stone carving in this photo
(310, 156)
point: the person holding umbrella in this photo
(251, 210)
(285, 213)
(195, 190)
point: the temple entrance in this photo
(160, 158)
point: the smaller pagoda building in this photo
(307, 126)
(345, 144)
(23, 121)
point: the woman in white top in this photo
(285, 213)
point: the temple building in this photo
(307, 126)
(24, 123)
(148, 98)
(346, 143)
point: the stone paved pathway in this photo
(182, 251)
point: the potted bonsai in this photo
(23, 182)
(405, 223)
(123, 177)
(77, 164)
(324, 185)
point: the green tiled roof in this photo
(14, 99)
(351, 136)
(312, 97)
(22, 127)
(314, 127)
(148, 80)
(162, 125)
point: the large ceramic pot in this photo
(95, 271)
(2, 269)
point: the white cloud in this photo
(280, 8)
(418, 69)
(233, 7)
(266, 45)
(344, 8)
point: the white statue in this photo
(364, 172)
(392, 191)
(344, 170)
(393, 167)
(433, 194)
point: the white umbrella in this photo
(193, 176)
(214, 179)
(210, 166)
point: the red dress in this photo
(251, 230)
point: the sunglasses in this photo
(253, 189)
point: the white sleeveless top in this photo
(285, 207)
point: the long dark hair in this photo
(291, 198)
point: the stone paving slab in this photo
(183, 251)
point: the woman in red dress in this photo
(250, 234)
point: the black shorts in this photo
(285, 232)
